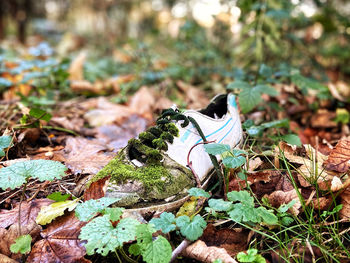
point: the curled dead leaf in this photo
(339, 158)
(279, 198)
(201, 252)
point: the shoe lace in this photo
(165, 130)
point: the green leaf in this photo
(343, 116)
(220, 205)
(249, 99)
(156, 250)
(217, 261)
(292, 139)
(135, 249)
(234, 162)
(238, 84)
(238, 152)
(40, 114)
(90, 208)
(17, 174)
(197, 192)
(104, 238)
(166, 222)
(49, 213)
(114, 213)
(216, 148)
(57, 196)
(267, 89)
(241, 196)
(265, 71)
(22, 244)
(244, 213)
(250, 256)
(285, 207)
(5, 142)
(191, 229)
(267, 216)
(287, 220)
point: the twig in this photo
(183, 245)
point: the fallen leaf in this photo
(323, 119)
(345, 201)
(97, 189)
(9, 236)
(143, 102)
(76, 67)
(85, 156)
(339, 158)
(279, 198)
(232, 240)
(29, 212)
(5, 259)
(195, 97)
(60, 242)
(54, 210)
(74, 124)
(107, 113)
(203, 253)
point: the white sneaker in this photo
(144, 176)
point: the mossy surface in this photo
(160, 179)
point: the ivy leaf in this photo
(40, 114)
(216, 148)
(49, 213)
(17, 174)
(5, 142)
(22, 244)
(220, 205)
(267, 216)
(197, 192)
(90, 208)
(238, 84)
(158, 251)
(166, 222)
(114, 213)
(104, 238)
(233, 162)
(241, 196)
(247, 257)
(58, 197)
(285, 207)
(267, 89)
(191, 229)
(249, 99)
(292, 139)
(244, 213)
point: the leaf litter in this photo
(101, 127)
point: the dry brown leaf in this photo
(233, 241)
(115, 82)
(107, 113)
(195, 97)
(80, 86)
(74, 124)
(162, 103)
(76, 67)
(85, 156)
(9, 236)
(345, 201)
(97, 189)
(201, 252)
(339, 158)
(323, 119)
(5, 259)
(340, 90)
(29, 212)
(60, 241)
(143, 102)
(279, 198)
(254, 164)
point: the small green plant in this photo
(241, 209)
(19, 174)
(251, 256)
(22, 244)
(109, 232)
(5, 142)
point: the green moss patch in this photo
(161, 177)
